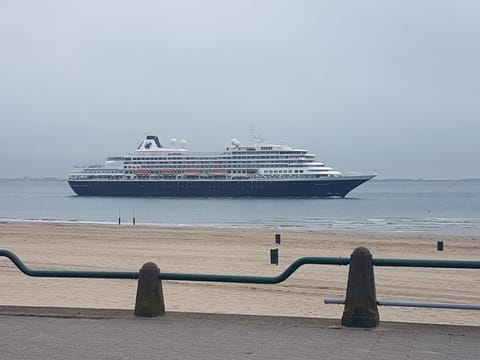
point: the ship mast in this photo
(257, 139)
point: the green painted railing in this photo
(457, 264)
(176, 276)
(66, 273)
(452, 264)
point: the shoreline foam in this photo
(353, 229)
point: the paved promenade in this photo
(79, 334)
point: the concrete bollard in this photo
(149, 301)
(361, 299)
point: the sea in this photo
(447, 207)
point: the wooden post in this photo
(277, 239)
(274, 256)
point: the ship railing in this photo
(360, 292)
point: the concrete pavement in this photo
(78, 334)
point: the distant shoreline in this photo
(34, 179)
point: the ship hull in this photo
(334, 187)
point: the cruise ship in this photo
(259, 170)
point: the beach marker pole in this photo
(361, 300)
(149, 302)
(274, 256)
(440, 245)
(119, 220)
(277, 239)
(133, 217)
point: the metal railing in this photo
(66, 273)
(428, 263)
(457, 264)
(416, 304)
(246, 279)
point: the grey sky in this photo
(386, 85)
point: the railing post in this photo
(149, 301)
(361, 299)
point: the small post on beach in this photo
(119, 219)
(439, 245)
(361, 299)
(274, 256)
(133, 220)
(149, 302)
(277, 239)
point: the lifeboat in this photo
(191, 172)
(218, 171)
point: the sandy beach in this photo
(233, 251)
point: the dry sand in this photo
(233, 251)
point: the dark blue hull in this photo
(338, 187)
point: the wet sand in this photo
(239, 252)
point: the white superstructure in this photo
(260, 161)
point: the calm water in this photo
(449, 207)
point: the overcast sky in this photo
(391, 86)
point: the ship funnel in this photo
(155, 139)
(150, 143)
